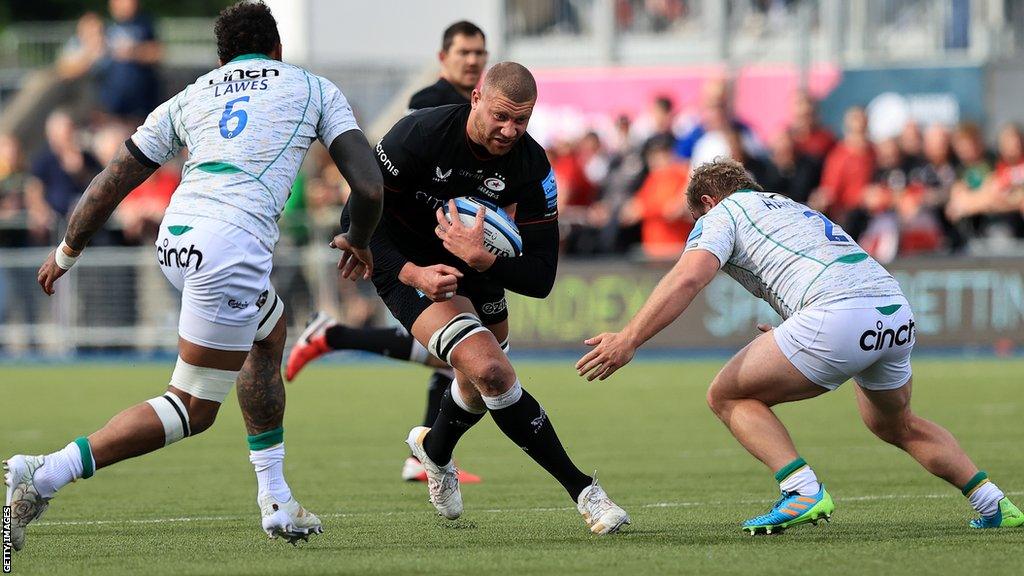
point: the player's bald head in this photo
(513, 81)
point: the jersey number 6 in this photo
(239, 115)
(829, 226)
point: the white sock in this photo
(985, 498)
(269, 465)
(58, 470)
(803, 482)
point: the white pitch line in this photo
(866, 498)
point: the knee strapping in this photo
(274, 309)
(447, 337)
(203, 383)
(173, 415)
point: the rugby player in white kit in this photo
(844, 317)
(247, 126)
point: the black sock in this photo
(451, 423)
(391, 342)
(526, 424)
(440, 382)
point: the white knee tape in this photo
(173, 415)
(447, 337)
(203, 383)
(272, 311)
(461, 402)
(505, 399)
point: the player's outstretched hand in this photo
(611, 351)
(49, 272)
(438, 282)
(355, 263)
(466, 243)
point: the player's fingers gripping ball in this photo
(479, 223)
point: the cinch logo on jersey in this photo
(241, 79)
(178, 257)
(385, 162)
(878, 339)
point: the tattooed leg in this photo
(259, 386)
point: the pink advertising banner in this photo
(574, 100)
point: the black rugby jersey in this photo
(428, 158)
(440, 93)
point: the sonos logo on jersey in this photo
(879, 338)
(494, 184)
(385, 162)
(494, 307)
(178, 257)
(440, 176)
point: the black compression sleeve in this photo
(533, 273)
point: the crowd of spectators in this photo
(930, 189)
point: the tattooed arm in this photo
(104, 193)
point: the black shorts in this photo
(407, 303)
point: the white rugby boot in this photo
(23, 498)
(288, 520)
(442, 481)
(599, 512)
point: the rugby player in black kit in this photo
(463, 57)
(441, 283)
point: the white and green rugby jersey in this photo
(787, 254)
(247, 126)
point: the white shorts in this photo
(223, 274)
(869, 340)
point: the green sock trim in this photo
(88, 466)
(974, 482)
(789, 469)
(265, 440)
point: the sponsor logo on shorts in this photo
(494, 307)
(262, 299)
(237, 305)
(887, 338)
(178, 257)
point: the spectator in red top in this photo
(848, 168)
(811, 137)
(660, 203)
(576, 193)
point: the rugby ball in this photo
(501, 235)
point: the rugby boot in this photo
(1006, 516)
(442, 481)
(792, 509)
(22, 497)
(311, 345)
